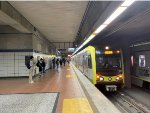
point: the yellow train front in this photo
(109, 70)
(103, 68)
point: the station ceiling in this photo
(2, 23)
(73, 21)
(131, 27)
(58, 21)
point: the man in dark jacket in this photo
(60, 61)
(64, 61)
(43, 66)
(57, 63)
(54, 61)
(39, 64)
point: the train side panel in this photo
(85, 62)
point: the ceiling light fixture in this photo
(112, 17)
(127, 3)
(115, 15)
(107, 47)
(100, 28)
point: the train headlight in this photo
(120, 76)
(101, 79)
(97, 77)
(117, 78)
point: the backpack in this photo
(37, 64)
(28, 65)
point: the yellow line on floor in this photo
(76, 105)
(70, 76)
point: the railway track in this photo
(127, 104)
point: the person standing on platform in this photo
(51, 64)
(54, 61)
(31, 71)
(60, 61)
(64, 61)
(43, 66)
(68, 60)
(57, 63)
(39, 64)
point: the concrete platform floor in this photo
(62, 80)
(28, 103)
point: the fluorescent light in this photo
(85, 42)
(115, 14)
(120, 10)
(89, 39)
(112, 17)
(100, 28)
(127, 3)
(91, 36)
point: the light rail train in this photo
(103, 68)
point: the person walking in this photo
(50, 64)
(39, 64)
(60, 61)
(54, 61)
(64, 61)
(57, 63)
(43, 66)
(68, 60)
(31, 71)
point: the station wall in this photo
(13, 63)
(40, 44)
(15, 41)
(14, 48)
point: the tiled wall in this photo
(6, 64)
(12, 64)
(20, 68)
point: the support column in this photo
(126, 60)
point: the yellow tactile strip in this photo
(70, 76)
(76, 105)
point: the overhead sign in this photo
(71, 49)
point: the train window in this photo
(89, 61)
(83, 61)
(108, 61)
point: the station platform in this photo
(57, 91)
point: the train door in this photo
(89, 65)
(86, 60)
(83, 62)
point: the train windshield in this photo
(112, 61)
